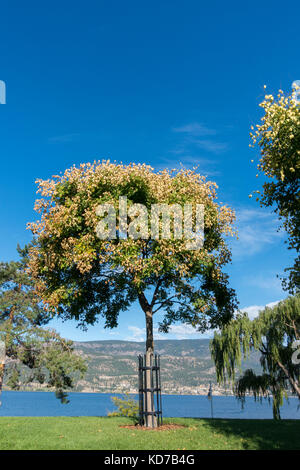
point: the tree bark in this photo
(293, 383)
(151, 420)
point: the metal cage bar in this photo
(154, 388)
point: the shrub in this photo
(127, 407)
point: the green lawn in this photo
(105, 433)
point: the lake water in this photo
(99, 404)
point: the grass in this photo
(106, 434)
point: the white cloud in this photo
(138, 334)
(211, 145)
(257, 229)
(182, 331)
(185, 331)
(264, 281)
(203, 165)
(192, 139)
(253, 310)
(63, 138)
(195, 129)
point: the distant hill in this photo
(186, 366)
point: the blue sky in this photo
(162, 83)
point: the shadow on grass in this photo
(259, 434)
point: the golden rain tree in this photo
(278, 137)
(81, 276)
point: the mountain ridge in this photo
(186, 366)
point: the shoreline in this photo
(136, 393)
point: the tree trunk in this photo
(293, 383)
(149, 333)
(151, 420)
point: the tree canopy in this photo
(80, 276)
(49, 359)
(278, 137)
(273, 333)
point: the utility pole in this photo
(2, 365)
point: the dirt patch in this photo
(164, 427)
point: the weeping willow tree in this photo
(275, 334)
